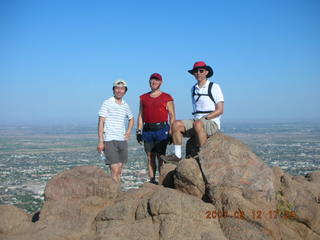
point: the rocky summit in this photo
(225, 192)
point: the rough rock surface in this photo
(298, 197)
(188, 178)
(245, 199)
(239, 183)
(166, 214)
(166, 175)
(73, 199)
(12, 219)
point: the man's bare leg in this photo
(151, 164)
(178, 129)
(200, 132)
(116, 171)
(160, 161)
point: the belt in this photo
(154, 126)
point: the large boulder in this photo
(166, 175)
(12, 219)
(188, 178)
(166, 214)
(73, 198)
(81, 182)
(241, 185)
(298, 198)
(245, 199)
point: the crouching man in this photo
(208, 106)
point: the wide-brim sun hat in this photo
(201, 64)
(120, 82)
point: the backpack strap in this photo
(210, 92)
(194, 93)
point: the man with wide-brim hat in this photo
(208, 106)
(201, 65)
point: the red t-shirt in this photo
(155, 109)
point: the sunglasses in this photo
(199, 70)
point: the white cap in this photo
(120, 82)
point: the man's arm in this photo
(130, 126)
(100, 146)
(140, 117)
(171, 111)
(216, 113)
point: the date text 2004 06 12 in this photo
(254, 214)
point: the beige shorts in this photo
(209, 126)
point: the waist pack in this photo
(154, 126)
(156, 135)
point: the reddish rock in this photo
(166, 175)
(248, 201)
(188, 178)
(166, 214)
(298, 199)
(12, 219)
(240, 183)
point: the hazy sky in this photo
(58, 59)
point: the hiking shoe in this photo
(153, 181)
(170, 159)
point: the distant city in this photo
(31, 156)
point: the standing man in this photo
(208, 106)
(153, 127)
(112, 132)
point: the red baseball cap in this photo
(201, 64)
(156, 76)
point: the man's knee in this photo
(151, 156)
(116, 169)
(178, 125)
(198, 125)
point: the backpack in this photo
(209, 94)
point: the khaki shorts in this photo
(209, 126)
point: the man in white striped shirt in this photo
(112, 132)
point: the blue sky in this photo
(58, 59)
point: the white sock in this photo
(177, 150)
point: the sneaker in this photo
(153, 181)
(170, 159)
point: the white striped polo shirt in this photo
(116, 118)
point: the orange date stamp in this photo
(253, 214)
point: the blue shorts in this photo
(156, 141)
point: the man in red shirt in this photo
(153, 127)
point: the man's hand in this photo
(139, 136)
(100, 147)
(127, 135)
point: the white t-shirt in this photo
(116, 118)
(204, 103)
